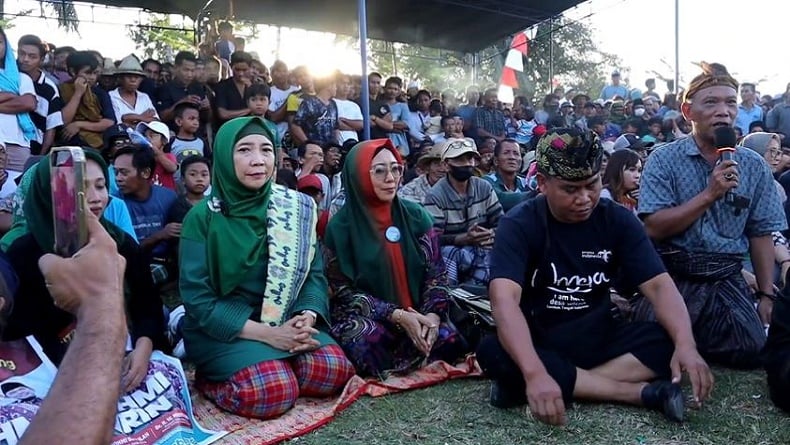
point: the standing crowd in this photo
(617, 249)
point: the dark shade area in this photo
(458, 25)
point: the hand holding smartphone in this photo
(67, 180)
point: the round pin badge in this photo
(392, 234)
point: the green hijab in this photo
(38, 204)
(356, 234)
(232, 222)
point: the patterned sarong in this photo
(726, 325)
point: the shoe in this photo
(665, 397)
(179, 351)
(503, 397)
(174, 325)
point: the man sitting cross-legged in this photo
(552, 266)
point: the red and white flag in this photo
(519, 48)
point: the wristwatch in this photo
(310, 313)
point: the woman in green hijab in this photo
(34, 312)
(390, 306)
(257, 311)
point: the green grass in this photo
(457, 412)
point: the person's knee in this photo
(323, 372)
(265, 394)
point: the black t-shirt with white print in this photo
(582, 261)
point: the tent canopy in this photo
(458, 25)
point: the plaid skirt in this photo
(270, 388)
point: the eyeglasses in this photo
(380, 171)
(774, 152)
(461, 144)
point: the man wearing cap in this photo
(630, 141)
(705, 215)
(609, 92)
(465, 211)
(130, 105)
(510, 187)
(552, 267)
(432, 171)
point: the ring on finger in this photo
(729, 176)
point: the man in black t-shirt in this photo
(552, 267)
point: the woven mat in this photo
(309, 414)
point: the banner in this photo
(158, 412)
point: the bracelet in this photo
(760, 294)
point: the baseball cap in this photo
(159, 127)
(615, 73)
(433, 154)
(631, 141)
(310, 181)
(117, 131)
(459, 146)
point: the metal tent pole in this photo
(363, 52)
(677, 46)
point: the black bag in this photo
(470, 315)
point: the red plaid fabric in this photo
(270, 388)
(322, 372)
(264, 390)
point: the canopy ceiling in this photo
(459, 25)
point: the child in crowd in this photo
(654, 131)
(87, 110)
(196, 177)
(257, 97)
(158, 135)
(434, 128)
(311, 186)
(187, 143)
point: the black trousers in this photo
(778, 371)
(563, 350)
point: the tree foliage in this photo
(575, 61)
(573, 58)
(159, 38)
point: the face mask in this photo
(461, 174)
(638, 112)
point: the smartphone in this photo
(67, 176)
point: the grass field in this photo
(457, 412)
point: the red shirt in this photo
(162, 177)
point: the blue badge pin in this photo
(392, 234)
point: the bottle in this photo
(138, 139)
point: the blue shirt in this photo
(677, 172)
(400, 112)
(745, 117)
(150, 216)
(610, 91)
(117, 213)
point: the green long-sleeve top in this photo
(212, 324)
(507, 198)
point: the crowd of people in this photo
(617, 249)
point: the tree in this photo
(435, 69)
(566, 49)
(159, 38)
(577, 61)
(63, 9)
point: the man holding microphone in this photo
(706, 206)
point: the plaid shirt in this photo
(490, 120)
(416, 189)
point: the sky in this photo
(640, 32)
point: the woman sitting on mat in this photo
(34, 311)
(253, 285)
(390, 298)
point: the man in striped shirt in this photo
(466, 212)
(47, 116)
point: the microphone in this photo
(724, 138)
